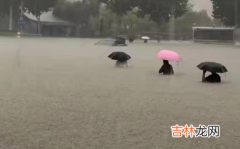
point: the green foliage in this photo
(37, 7)
(227, 11)
(201, 18)
(82, 13)
(108, 21)
(62, 8)
(184, 24)
(107, 16)
(119, 7)
(5, 6)
(130, 24)
(158, 10)
(138, 24)
(162, 10)
(77, 12)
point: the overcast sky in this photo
(202, 5)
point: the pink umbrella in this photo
(169, 55)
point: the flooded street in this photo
(59, 93)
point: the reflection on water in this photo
(18, 57)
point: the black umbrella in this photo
(119, 56)
(212, 67)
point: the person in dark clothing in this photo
(213, 78)
(122, 64)
(131, 38)
(166, 69)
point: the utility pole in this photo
(101, 27)
(21, 8)
(172, 24)
(10, 16)
(21, 22)
(172, 21)
(236, 5)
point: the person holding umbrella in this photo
(166, 68)
(213, 78)
(166, 56)
(214, 68)
(122, 64)
(145, 38)
(122, 59)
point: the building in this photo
(50, 25)
(213, 34)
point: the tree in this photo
(135, 25)
(62, 10)
(120, 8)
(129, 21)
(185, 23)
(7, 7)
(227, 11)
(107, 21)
(79, 12)
(191, 18)
(37, 7)
(162, 10)
(217, 22)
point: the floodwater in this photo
(59, 93)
